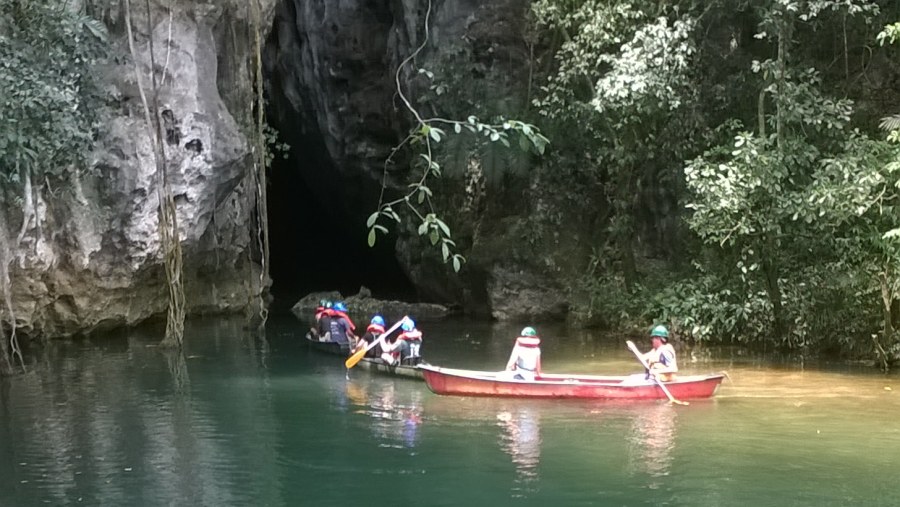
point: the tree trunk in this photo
(773, 290)
(887, 301)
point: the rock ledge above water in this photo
(363, 306)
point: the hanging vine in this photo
(260, 160)
(170, 243)
(425, 134)
(9, 347)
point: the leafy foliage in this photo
(737, 112)
(422, 140)
(50, 98)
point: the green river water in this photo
(244, 421)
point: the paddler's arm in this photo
(512, 358)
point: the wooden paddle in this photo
(662, 386)
(359, 354)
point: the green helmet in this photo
(328, 304)
(323, 302)
(528, 331)
(660, 332)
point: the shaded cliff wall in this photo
(330, 70)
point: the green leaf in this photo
(381, 228)
(423, 228)
(443, 227)
(372, 219)
(891, 234)
(434, 237)
(457, 128)
(445, 251)
(456, 263)
(371, 238)
(435, 135)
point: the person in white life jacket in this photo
(525, 359)
(406, 348)
(373, 332)
(661, 360)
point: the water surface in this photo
(243, 421)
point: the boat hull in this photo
(366, 363)
(479, 383)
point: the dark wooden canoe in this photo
(633, 387)
(366, 363)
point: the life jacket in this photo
(411, 336)
(667, 356)
(345, 317)
(375, 329)
(529, 354)
(320, 311)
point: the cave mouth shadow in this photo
(317, 242)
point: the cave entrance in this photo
(317, 234)
(317, 210)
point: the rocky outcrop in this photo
(88, 255)
(524, 296)
(363, 306)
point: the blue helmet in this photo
(340, 307)
(408, 324)
(378, 319)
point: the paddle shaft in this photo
(662, 386)
(359, 354)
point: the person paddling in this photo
(323, 321)
(406, 348)
(320, 310)
(525, 359)
(340, 310)
(373, 331)
(661, 360)
(341, 326)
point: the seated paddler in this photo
(525, 359)
(661, 361)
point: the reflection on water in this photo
(651, 440)
(521, 439)
(246, 420)
(396, 413)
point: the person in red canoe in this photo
(661, 360)
(525, 359)
(375, 330)
(406, 348)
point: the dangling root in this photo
(170, 243)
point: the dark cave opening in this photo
(317, 242)
(317, 209)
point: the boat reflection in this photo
(651, 440)
(521, 439)
(396, 412)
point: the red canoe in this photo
(633, 387)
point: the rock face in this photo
(331, 75)
(89, 257)
(362, 307)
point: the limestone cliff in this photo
(87, 254)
